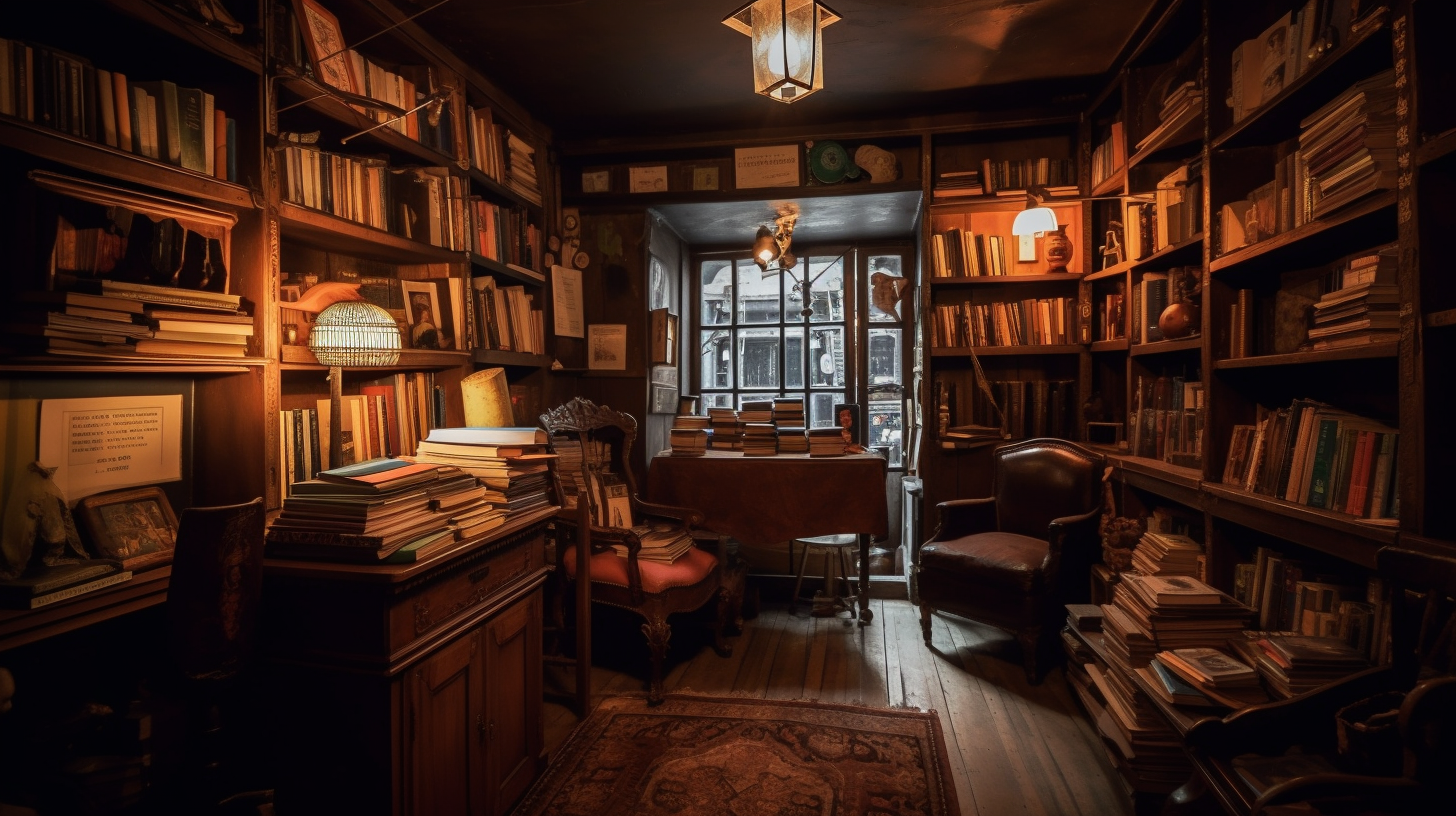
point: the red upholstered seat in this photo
(1001, 559)
(610, 568)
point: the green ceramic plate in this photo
(829, 163)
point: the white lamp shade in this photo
(355, 333)
(788, 45)
(1033, 221)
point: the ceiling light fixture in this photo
(788, 45)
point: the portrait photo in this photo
(136, 527)
(427, 326)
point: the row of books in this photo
(158, 119)
(1167, 420)
(1010, 177)
(419, 203)
(1022, 408)
(504, 234)
(958, 253)
(1261, 67)
(406, 88)
(1110, 154)
(1030, 322)
(1110, 322)
(1291, 594)
(507, 317)
(105, 318)
(1177, 212)
(521, 169)
(1319, 456)
(487, 141)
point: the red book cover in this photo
(1360, 474)
(391, 419)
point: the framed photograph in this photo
(705, 178)
(136, 527)
(606, 345)
(596, 181)
(422, 313)
(648, 179)
(664, 399)
(322, 37)
(774, 166)
(664, 338)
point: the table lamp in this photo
(353, 333)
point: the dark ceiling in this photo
(593, 69)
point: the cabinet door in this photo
(513, 699)
(446, 731)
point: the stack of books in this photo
(724, 423)
(959, 183)
(46, 585)
(521, 169)
(826, 442)
(1348, 146)
(511, 463)
(760, 411)
(788, 412)
(106, 318)
(1293, 664)
(1170, 687)
(760, 439)
(1148, 750)
(1180, 611)
(1216, 675)
(792, 439)
(689, 436)
(1180, 105)
(1166, 554)
(369, 511)
(661, 542)
(1355, 316)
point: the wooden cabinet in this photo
(410, 689)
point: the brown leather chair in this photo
(612, 555)
(1014, 559)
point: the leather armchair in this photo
(1014, 559)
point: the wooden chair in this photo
(612, 554)
(1014, 559)
(1423, 660)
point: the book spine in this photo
(79, 589)
(315, 445)
(1324, 452)
(300, 444)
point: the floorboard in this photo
(1014, 748)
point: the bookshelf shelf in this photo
(1179, 484)
(1004, 279)
(1187, 252)
(1120, 344)
(84, 154)
(1005, 351)
(329, 232)
(510, 358)
(186, 29)
(1115, 271)
(1175, 139)
(1113, 184)
(1338, 70)
(299, 358)
(498, 191)
(129, 365)
(1167, 346)
(1363, 224)
(325, 101)
(1332, 533)
(1013, 199)
(484, 264)
(1436, 148)
(1441, 319)
(1371, 351)
(146, 588)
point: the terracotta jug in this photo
(1058, 250)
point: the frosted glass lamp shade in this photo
(487, 399)
(355, 333)
(1033, 221)
(788, 45)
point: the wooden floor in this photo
(1015, 748)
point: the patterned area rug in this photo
(707, 756)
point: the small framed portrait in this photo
(136, 527)
(422, 313)
(323, 37)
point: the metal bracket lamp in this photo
(788, 45)
(353, 333)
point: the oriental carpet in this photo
(711, 756)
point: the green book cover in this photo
(1324, 453)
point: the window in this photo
(756, 341)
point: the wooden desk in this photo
(764, 500)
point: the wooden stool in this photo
(835, 549)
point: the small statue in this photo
(1119, 533)
(37, 515)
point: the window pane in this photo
(717, 292)
(759, 299)
(715, 401)
(828, 289)
(759, 353)
(716, 359)
(884, 289)
(884, 357)
(793, 357)
(755, 397)
(887, 421)
(826, 350)
(821, 409)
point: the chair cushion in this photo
(609, 568)
(1003, 560)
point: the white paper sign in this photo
(111, 442)
(776, 166)
(607, 346)
(566, 302)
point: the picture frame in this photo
(651, 179)
(770, 166)
(423, 315)
(664, 399)
(606, 345)
(322, 37)
(135, 527)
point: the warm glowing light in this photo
(788, 45)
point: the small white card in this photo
(648, 179)
(773, 166)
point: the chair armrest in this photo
(964, 517)
(1271, 728)
(1378, 792)
(689, 517)
(1074, 528)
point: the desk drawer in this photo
(420, 614)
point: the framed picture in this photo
(136, 527)
(647, 179)
(422, 313)
(664, 399)
(664, 338)
(773, 166)
(606, 345)
(323, 37)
